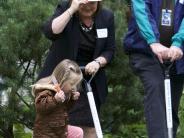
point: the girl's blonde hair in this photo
(62, 73)
(64, 69)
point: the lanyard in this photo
(166, 27)
(168, 4)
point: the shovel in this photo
(168, 102)
(92, 105)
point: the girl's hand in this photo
(60, 95)
(75, 95)
(57, 87)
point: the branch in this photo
(34, 69)
(24, 74)
(21, 63)
(20, 97)
(23, 123)
(20, 84)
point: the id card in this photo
(166, 17)
(102, 33)
(181, 1)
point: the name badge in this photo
(181, 1)
(102, 33)
(166, 17)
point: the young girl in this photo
(54, 96)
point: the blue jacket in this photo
(143, 28)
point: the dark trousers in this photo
(151, 74)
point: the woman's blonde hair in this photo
(64, 69)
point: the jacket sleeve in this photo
(178, 38)
(108, 51)
(145, 21)
(47, 27)
(45, 102)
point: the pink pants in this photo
(74, 132)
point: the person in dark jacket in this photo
(156, 34)
(83, 31)
(54, 96)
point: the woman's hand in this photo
(175, 53)
(92, 67)
(75, 95)
(75, 5)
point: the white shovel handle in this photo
(168, 103)
(94, 114)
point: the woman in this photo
(82, 31)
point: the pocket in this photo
(139, 62)
(133, 62)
